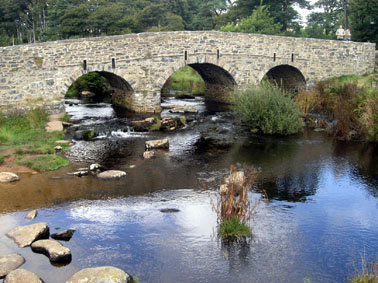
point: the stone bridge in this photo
(138, 65)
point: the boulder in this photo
(7, 177)
(31, 215)
(148, 154)
(183, 109)
(54, 250)
(9, 263)
(25, 235)
(22, 275)
(156, 144)
(80, 173)
(65, 235)
(58, 148)
(168, 123)
(111, 174)
(95, 167)
(143, 125)
(107, 274)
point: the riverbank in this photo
(26, 144)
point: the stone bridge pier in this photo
(138, 65)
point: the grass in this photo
(369, 273)
(350, 100)
(232, 227)
(1, 159)
(267, 109)
(43, 163)
(156, 126)
(185, 79)
(25, 133)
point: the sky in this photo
(304, 12)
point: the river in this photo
(319, 224)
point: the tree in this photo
(74, 22)
(364, 20)
(259, 22)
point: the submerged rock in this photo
(7, 177)
(80, 173)
(9, 263)
(111, 174)
(25, 235)
(32, 215)
(95, 167)
(22, 275)
(106, 274)
(143, 125)
(65, 235)
(148, 154)
(157, 144)
(169, 210)
(54, 250)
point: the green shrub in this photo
(92, 81)
(268, 109)
(233, 228)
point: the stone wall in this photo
(42, 73)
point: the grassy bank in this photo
(24, 136)
(350, 100)
(187, 80)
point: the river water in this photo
(319, 224)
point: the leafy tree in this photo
(74, 22)
(364, 20)
(259, 22)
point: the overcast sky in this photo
(304, 12)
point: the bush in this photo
(232, 227)
(268, 109)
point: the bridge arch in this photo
(121, 90)
(287, 77)
(219, 83)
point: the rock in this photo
(169, 210)
(143, 125)
(65, 235)
(167, 123)
(87, 94)
(58, 148)
(155, 144)
(106, 274)
(25, 235)
(54, 250)
(80, 173)
(132, 166)
(22, 275)
(66, 124)
(7, 177)
(148, 154)
(9, 263)
(31, 215)
(183, 109)
(96, 167)
(63, 142)
(54, 126)
(111, 174)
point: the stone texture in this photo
(7, 177)
(157, 144)
(111, 174)
(22, 276)
(54, 126)
(9, 263)
(142, 125)
(145, 61)
(25, 235)
(32, 215)
(148, 154)
(54, 250)
(101, 274)
(65, 235)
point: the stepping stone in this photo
(7, 177)
(22, 275)
(111, 174)
(54, 250)
(154, 144)
(65, 235)
(9, 263)
(25, 235)
(31, 215)
(148, 154)
(107, 274)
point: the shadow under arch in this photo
(286, 77)
(121, 91)
(219, 83)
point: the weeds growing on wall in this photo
(351, 100)
(267, 109)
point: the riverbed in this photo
(319, 222)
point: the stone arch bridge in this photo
(138, 65)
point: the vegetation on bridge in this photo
(44, 20)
